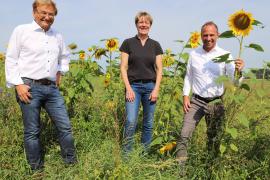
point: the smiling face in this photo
(209, 35)
(44, 16)
(143, 25)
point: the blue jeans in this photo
(142, 93)
(48, 97)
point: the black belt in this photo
(207, 100)
(46, 82)
(143, 81)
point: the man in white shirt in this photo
(35, 58)
(200, 78)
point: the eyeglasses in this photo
(44, 14)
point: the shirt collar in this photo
(35, 27)
(216, 48)
(136, 36)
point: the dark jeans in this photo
(48, 97)
(142, 93)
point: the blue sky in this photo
(85, 22)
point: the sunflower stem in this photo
(236, 72)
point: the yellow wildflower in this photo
(167, 147)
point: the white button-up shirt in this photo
(202, 72)
(35, 54)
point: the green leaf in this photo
(180, 41)
(222, 58)
(234, 147)
(258, 23)
(257, 47)
(222, 149)
(233, 132)
(243, 120)
(184, 56)
(227, 34)
(245, 86)
(188, 46)
(157, 141)
(222, 79)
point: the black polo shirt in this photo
(141, 59)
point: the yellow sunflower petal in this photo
(240, 23)
(112, 44)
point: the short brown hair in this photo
(143, 14)
(209, 23)
(36, 3)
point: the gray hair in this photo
(36, 3)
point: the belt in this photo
(207, 100)
(46, 82)
(143, 81)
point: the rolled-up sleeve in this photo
(187, 80)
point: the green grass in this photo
(98, 142)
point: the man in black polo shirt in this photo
(141, 70)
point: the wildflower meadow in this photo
(95, 98)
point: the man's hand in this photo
(239, 64)
(58, 78)
(23, 93)
(186, 103)
(130, 95)
(154, 95)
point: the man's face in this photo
(209, 37)
(44, 16)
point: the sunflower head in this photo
(82, 56)
(2, 57)
(167, 58)
(194, 39)
(99, 52)
(112, 44)
(72, 46)
(240, 23)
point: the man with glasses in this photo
(35, 59)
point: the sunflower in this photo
(72, 46)
(2, 57)
(167, 147)
(107, 79)
(241, 23)
(112, 44)
(82, 56)
(194, 39)
(99, 52)
(168, 59)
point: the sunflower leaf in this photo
(180, 41)
(257, 47)
(188, 46)
(227, 34)
(258, 23)
(245, 86)
(222, 58)
(185, 56)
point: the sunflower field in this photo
(95, 100)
